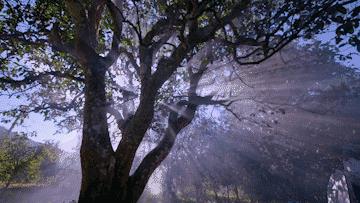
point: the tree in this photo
(24, 161)
(75, 59)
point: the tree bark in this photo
(97, 156)
(105, 174)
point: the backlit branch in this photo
(38, 77)
(181, 115)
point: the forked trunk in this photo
(105, 173)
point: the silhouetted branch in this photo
(38, 77)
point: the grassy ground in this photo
(51, 192)
(35, 194)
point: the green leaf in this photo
(338, 19)
(341, 9)
(348, 28)
(297, 23)
(356, 11)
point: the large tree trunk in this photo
(100, 183)
(105, 172)
(97, 156)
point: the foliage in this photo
(32, 32)
(25, 161)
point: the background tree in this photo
(72, 60)
(24, 161)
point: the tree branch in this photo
(118, 117)
(94, 15)
(32, 78)
(180, 116)
(115, 10)
(152, 160)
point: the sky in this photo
(45, 129)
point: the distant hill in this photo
(5, 133)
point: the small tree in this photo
(82, 60)
(24, 161)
